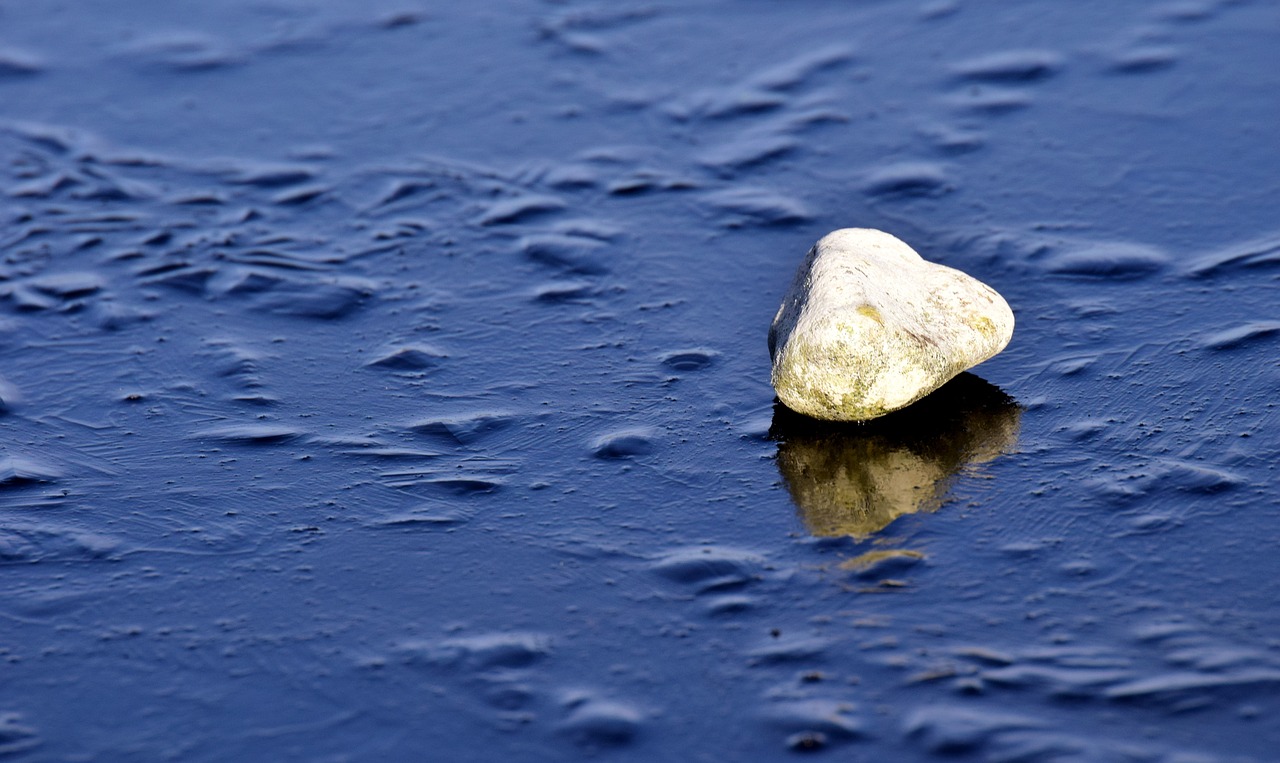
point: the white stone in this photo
(869, 327)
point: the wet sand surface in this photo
(388, 382)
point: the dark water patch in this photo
(726, 606)
(693, 359)
(573, 253)
(379, 451)
(329, 299)
(763, 91)
(54, 139)
(1024, 554)
(854, 479)
(427, 517)
(1060, 683)
(584, 31)
(807, 741)
(17, 471)
(1107, 260)
(455, 485)
(43, 188)
(594, 228)
(465, 428)
(984, 655)
(16, 63)
(1175, 686)
(566, 292)
(949, 140)
(935, 10)
(794, 121)
(10, 397)
(250, 434)
(240, 364)
(192, 280)
(597, 723)
(1194, 477)
(247, 281)
(519, 209)
(510, 696)
(1188, 10)
(471, 477)
(151, 269)
(708, 569)
(1011, 66)
(16, 737)
(748, 151)
(800, 70)
(1213, 657)
(1073, 366)
(199, 198)
(725, 103)
(616, 155)
(991, 101)
(25, 300)
(1155, 522)
(115, 317)
(302, 195)
(46, 542)
(401, 19)
(400, 190)
(623, 444)
(743, 207)
(415, 357)
(482, 652)
(1163, 476)
(274, 259)
(1163, 631)
(68, 285)
(644, 181)
(1086, 429)
(1141, 59)
(267, 175)
(182, 52)
(812, 724)
(600, 18)
(1091, 308)
(633, 185)
(400, 229)
(908, 179)
(571, 177)
(787, 649)
(1259, 252)
(1244, 335)
(954, 730)
(112, 190)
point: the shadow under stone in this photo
(856, 478)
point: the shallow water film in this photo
(388, 381)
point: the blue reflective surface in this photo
(389, 382)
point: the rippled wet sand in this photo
(390, 382)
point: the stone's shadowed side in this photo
(869, 327)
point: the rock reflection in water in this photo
(854, 479)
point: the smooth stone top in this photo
(869, 327)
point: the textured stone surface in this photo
(869, 327)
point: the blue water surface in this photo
(388, 381)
